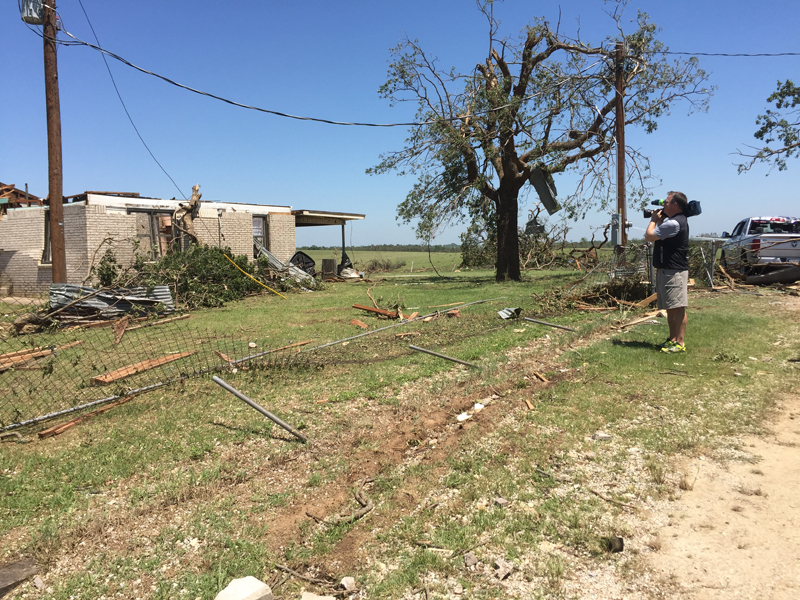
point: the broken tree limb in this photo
(379, 311)
(145, 365)
(361, 498)
(548, 324)
(541, 377)
(432, 353)
(259, 408)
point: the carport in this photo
(319, 218)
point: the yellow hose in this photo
(254, 279)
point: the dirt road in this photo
(736, 534)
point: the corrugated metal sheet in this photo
(111, 303)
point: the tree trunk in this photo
(507, 237)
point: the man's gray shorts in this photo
(672, 288)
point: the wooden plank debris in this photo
(402, 335)
(145, 365)
(649, 300)
(646, 317)
(379, 311)
(454, 313)
(12, 359)
(62, 427)
(541, 377)
(120, 326)
(446, 305)
(358, 323)
(412, 316)
(224, 357)
(528, 402)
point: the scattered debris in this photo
(454, 313)
(463, 417)
(145, 365)
(470, 560)
(361, 324)
(478, 407)
(504, 568)
(502, 502)
(446, 305)
(348, 584)
(260, 409)
(613, 543)
(601, 436)
(246, 588)
(159, 322)
(432, 353)
(361, 498)
(412, 316)
(252, 345)
(120, 326)
(509, 313)
(379, 311)
(528, 402)
(540, 377)
(402, 335)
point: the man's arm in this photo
(655, 221)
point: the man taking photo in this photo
(670, 232)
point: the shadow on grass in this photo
(636, 344)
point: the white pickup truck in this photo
(760, 244)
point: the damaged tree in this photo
(545, 102)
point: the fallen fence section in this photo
(260, 409)
(548, 324)
(444, 356)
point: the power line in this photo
(125, 108)
(767, 54)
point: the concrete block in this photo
(246, 588)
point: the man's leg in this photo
(676, 319)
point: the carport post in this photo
(343, 224)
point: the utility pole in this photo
(55, 175)
(620, 118)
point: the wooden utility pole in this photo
(55, 175)
(620, 117)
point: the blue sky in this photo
(327, 59)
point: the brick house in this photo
(128, 223)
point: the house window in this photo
(260, 234)
(155, 232)
(47, 254)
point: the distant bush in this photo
(376, 265)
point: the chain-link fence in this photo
(48, 369)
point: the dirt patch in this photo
(736, 534)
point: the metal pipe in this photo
(548, 324)
(260, 409)
(432, 353)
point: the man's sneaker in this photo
(668, 344)
(675, 347)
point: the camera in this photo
(692, 208)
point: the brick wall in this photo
(281, 235)
(21, 246)
(236, 229)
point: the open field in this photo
(178, 491)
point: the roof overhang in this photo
(316, 218)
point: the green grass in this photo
(190, 461)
